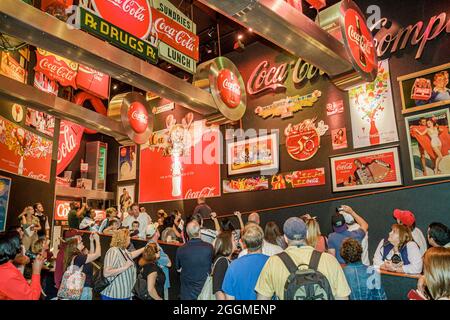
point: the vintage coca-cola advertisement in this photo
(245, 184)
(24, 153)
(229, 88)
(175, 35)
(93, 81)
(41, 121)
(62, 208)
(11, 68)
(70, 135)
(298, 179)
(180, 162)
(57, 68)
(43, 83)
(133, 16)
(366, 170)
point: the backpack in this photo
(72, 283)
(305, 283)
(140, 289)
(207, 290)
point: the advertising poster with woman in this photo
(5, 188)
(372, 111)
(429, 144)
(127, 163)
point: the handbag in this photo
(207, 290)
(101, 282)
(72, 283)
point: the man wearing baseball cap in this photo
(407, 218)
(272, 279)
(341, 231)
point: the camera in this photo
(31, 255)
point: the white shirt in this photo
(88, 224)
(143, 219)
(414, 257)
(419, 238)
(268, 249)
(364, 243)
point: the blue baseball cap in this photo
(295, 229)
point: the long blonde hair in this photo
(313, 232)
(436, 269)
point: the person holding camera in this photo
(399, 253)
(13, 285)
(31, 225)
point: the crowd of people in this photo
(228, 262)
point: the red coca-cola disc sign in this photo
(138, 117)
(133, 16)
(359, 41)
(229, 88)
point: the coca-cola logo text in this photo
(133, 16)
(205, 192)
(229, 88)
(138, 117)
(265, 77)
(344, 166)
(69, 143)
(58, 70)
(359, 40)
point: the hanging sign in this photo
(176, 58)
(286, 107)
(171, 11)
(93, 24)
(57, 68)
(303, 139)
(358, 40)
(229, 88)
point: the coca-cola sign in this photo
(303, 139)
(133, 16)
(57, 68)
(62, 209)
(93, 81)
(138, 117)
(70, 135)
(175, 35)
(273, 77)
(229, 88)
(358, 40)
(206, 192)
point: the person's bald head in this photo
(254, 218)
(193, 229)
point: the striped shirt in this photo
(122, 286)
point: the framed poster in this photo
(425, 89)
(125, 198)
(245, 184)
(24, 153)
(429, 144)
(298, 179)
(366, 170)
(5, 189)
(254, 154)
(372, 111)
(339, 138)
(180, 162)
(40, 121)
(127, 163)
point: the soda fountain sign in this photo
(229, 88)
(138, 117)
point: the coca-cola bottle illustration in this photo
(176, 176)
(362, 57)
(374, 135)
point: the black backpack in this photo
(140, 289)
(305, 283)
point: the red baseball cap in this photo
(406, 217)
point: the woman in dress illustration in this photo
(433, 132)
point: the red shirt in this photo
(13, 285)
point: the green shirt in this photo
(74, 221)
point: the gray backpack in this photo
(305, 283)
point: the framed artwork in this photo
(254, 154)
(339, 138)
(40, 121)
(127, 163)
(429, 144)
(372, 111)
(245, 184)
(366, 170)
(125, 198)
(5, 189)
(298, 179)
(425, 89)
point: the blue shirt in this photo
(162, 262)
(335, 240)
(194, 259)
(242, 275)
(365, 282)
